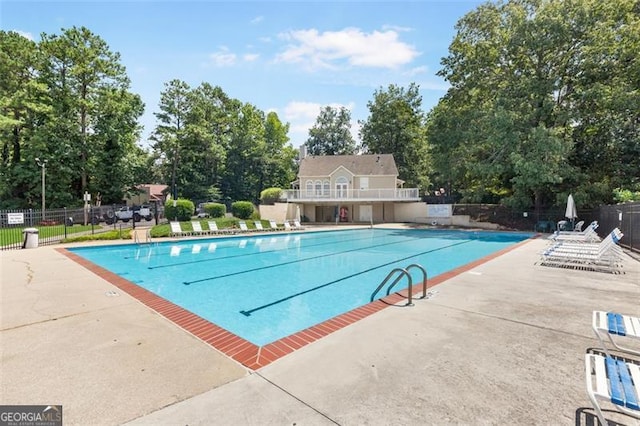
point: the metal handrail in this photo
(424, 278)
(404, 272)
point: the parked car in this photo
(136, 213)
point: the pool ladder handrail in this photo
(147, 237)
(404, 272)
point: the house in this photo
(148, 193)
(349, 188)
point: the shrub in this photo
(270, 195)
(242, 209)
(181, 212)
(215, 209)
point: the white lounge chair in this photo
(297, 225)
(274, 226)
(243, 226)
(176, 230)
(610, 242)
(613, 380)
(623, 327)
(258, 225)
(604, 256)
(197, 228)
(588, 235)
(213, 227)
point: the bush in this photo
(215, 209)
(270, 195)
(242, 209)
(181, 212)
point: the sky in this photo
(291, 57)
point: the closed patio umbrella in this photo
(571, 212)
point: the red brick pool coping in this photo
(245, 352)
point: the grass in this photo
(15, 235)
(109, 235)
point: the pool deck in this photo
(500, 343)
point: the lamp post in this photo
(43, 165)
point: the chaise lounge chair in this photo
(603, 256)
(176, 230)
(623, 327)
(274, 226)
(614, 380)
(588, 235)
(197, 228)
(243, 226)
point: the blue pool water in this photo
(266, 287)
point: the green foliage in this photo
(120, 234)
(331, 134)
(542, 102)
(397, 126)
(242, 209)
(215, 209)
(621, 195)
(182, 211)
(270, 195)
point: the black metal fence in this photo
(626, 217)
(54, 225)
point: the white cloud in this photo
(378, 49)
(223, 57)
(257, 19)
(417, 70)
(24, 34)
(302, 116)
(250, 57)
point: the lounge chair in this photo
(213, 227)
(614, 380)
(588, 235)
(258, 225)
(274, 226)
(176, 230)
(287, 226)
(297, 225)
(623, 327)
(197, 228)
(610, 242)
(243, 226)
(603, 256)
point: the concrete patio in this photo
(503, 343)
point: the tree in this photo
(279, 158)
(396, 125)
(22, 101)
(331, 134)
(540, 101)
(78, 69)
(247, 148)
(169, 135)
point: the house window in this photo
(364, 183)
(342, 186)
(318, 187)
(309, 189)
(326, 188)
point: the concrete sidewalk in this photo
(503, 343)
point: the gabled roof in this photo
(156, 192)
(360, 165)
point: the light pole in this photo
(43, 165)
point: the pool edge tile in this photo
(241, 350)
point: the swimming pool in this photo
(265, 287)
